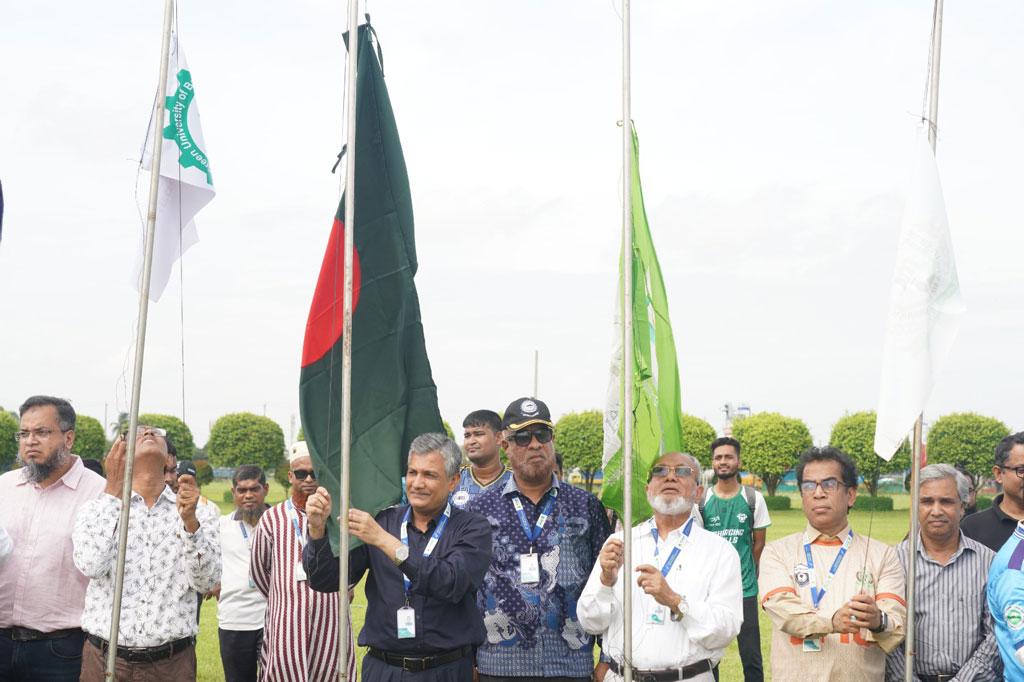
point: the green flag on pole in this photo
(657, 414)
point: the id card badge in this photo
(406, 622)
(658, 616)
(529, 568)
(300, 572)
(812, 645)
(252, 583)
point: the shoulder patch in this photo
(1014, 616)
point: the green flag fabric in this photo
(657, 414)
(394, 398)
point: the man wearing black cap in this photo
(547, 537)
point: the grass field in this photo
(888, 527)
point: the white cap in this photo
(298, 449)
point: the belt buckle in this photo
(410, 664)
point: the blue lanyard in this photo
(294, 516)
(674, 554)
(245, 533)
(533, 533)
(818, 593)
(431, 544)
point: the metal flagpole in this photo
(140, 342)
(346, 337)
(627, 354)
(536, 371)
(915, 467)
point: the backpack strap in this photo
(748, 492)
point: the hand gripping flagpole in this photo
(915, 465)
(627, 354)
(140, 341)
(346, 337)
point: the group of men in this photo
(496, 573)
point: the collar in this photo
(469, 470)
(511, 487)
(673, 535)
(819, 538)
(70, 478)
(431, 524)
(1018, 532)
(961, 547)
(997, 510)
(166, 495)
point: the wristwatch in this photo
(679, 612)
(401, 554)
(883, 623)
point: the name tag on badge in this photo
(812, 645)
(657, 616)
(406, 622)
(300, 572)
(529, 568)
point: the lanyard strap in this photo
(294, 516)
(818, 593)
(245, 533)
(431, 544)
(674, 554)
(545, 513)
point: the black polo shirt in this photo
(991, 527)
(443, 589)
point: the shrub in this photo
(983, 502)
(204, 472)
(90, 440)
(281, 475)
(877, 503)
(246, 438)
(778, 502)
(179, 432)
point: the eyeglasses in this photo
(661, 471)
(141, 431)
(1017, 470)
(40, 434)
(303, 474)
(523, 438)
(829, 485)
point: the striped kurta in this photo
(300, 632)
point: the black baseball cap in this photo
(523, 412)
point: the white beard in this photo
(670, 507)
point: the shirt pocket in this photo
(574, 552)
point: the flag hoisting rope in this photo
(627, 347)
(140, 345)
(346, 352)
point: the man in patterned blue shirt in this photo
(547, 537)
(481, 439)
(1006, 603)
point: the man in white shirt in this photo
(241, 607)
(687, 594)
(173, 554)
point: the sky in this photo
(775, 140)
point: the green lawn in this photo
(889, 527)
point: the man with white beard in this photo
(688, 591)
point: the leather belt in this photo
(19, 634)
(416, 664)
(666, 675)
(935, 678)
(148, 654)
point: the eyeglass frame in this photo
(306, 473)
(533, 433)
(26, 433)
(838, 483)
(676, 470)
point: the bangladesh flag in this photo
(393, 394)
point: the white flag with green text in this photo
(924, 310)
(186, 184)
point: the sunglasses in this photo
(661, 471)
(303, 474)
(523, 438)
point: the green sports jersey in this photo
(732, 519)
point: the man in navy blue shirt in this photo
(547, 536)
(426, 561)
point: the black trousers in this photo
(376, 670)
(749, 641)
(239, 653)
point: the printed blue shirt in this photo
(470, 488)
(1006, 603)
(532, 629)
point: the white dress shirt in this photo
(241, 606)
(706, 572)
(165, 566)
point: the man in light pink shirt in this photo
(42, 594)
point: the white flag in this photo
(186, 184)
(925, 308)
